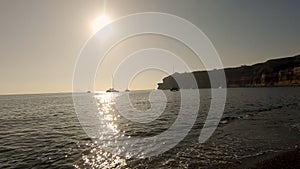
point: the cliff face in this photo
(276, 72)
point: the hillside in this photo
(272, 73)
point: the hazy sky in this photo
(41, 39)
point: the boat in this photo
(127, 90)
(174, 89)
(111, 90)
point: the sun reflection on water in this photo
(97, 157)
(106, 108)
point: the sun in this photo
(100, 22)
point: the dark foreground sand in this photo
(280, 128)
(287, 160)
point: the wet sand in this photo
(281, 131)
(290, 159)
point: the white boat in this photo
(112, 88)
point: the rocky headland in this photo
(272, 73)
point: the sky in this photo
(41, 39)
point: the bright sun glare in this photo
(100, 22)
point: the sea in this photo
(46, 131)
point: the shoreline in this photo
(281, 159)
(282, 145)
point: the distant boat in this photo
(111, 90)
(127, 90)
(89, 92)
(174, 89)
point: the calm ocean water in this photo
(42, 131)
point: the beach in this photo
(281, 129)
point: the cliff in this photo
(275, 72)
